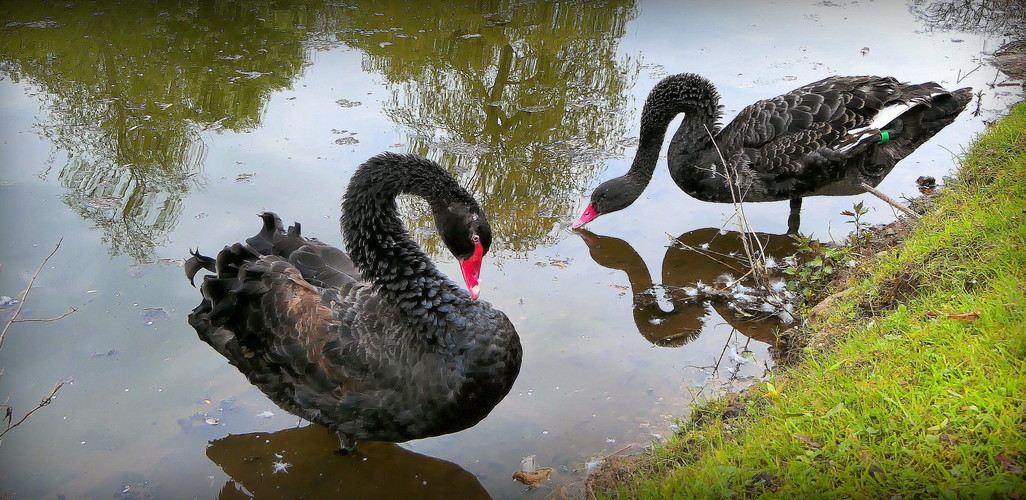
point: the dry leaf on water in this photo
(533, 479)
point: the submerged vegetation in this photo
(911, 383)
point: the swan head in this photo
(465, 231)
(610, 196)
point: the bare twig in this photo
(8, 410)
(47, 400)
(894, 203)
(962, 77)
(752, 246)
(24, 297)
(71, 310)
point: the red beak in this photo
(472, 271)
(589, 214)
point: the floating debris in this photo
(346, 103)
(136, 491)
(265, 414)
(472, 35)
(281, 466)
(250, 75)
(106, 203)
(346, 141)
(530, 474)
(214, 125)
(211, 421)
(562, 264)
(927, 184)
(105, 354)
(244, 177)
(584, 102)
(759, 302)
(151, 315)
(46, 23)
(138, 270)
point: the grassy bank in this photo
(913, 384)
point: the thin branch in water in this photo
(962, 77)
(756, 252)
(28, 289)
(8, 410)
(47, 400)
(71, 311)
(894, 203)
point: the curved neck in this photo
(685, 93)
(378, 242)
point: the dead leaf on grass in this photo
(964, 317)
(1008, 464)
(807, 441)
(875, 471)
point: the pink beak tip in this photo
(472, 272)
(586, 217)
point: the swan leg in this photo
(344, 448)
(893, 130)
(794, 219)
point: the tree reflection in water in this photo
(522, 100)
(130, 88)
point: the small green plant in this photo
(856, 213)
(812, 266)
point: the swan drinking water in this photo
(825, 138)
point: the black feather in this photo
(376, 344)
(815, 140)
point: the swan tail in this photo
(919, 112)
(195, 263)
(272, 232)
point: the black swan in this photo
(376, 345)
(825, 138)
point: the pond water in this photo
(133, 131)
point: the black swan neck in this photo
(377, 240)
(686, 93)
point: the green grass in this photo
(905, 401)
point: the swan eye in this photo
(475, 238)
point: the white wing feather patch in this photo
(856, 136)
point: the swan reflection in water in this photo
(698, 257)
(300, 462)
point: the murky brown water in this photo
(136, 131)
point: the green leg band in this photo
(884, 136)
